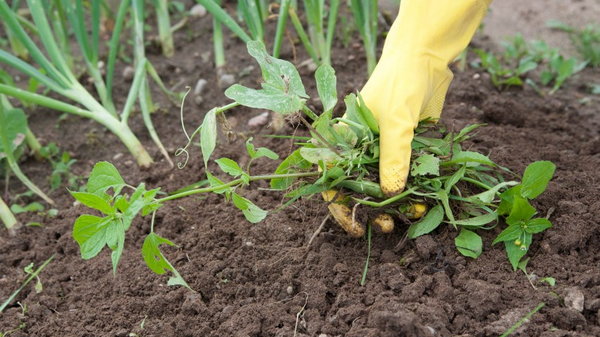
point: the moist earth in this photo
(261, 280)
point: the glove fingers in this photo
(433, 107)
(396, 134)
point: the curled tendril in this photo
(183, 150)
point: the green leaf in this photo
(521, 211)
(282, 91)
(318, 154)
(476, 221)
(269, 99)
(93, 201)
(536, 178)
(293, 163)
(31, 207)
(489, 195)
(230, 167)
(264, 152)
(507, 198)
(104, 176)
(252, 212)
(359, 124)
(469, 243)
(426, 165)
(139, 199)
(550, 280)
(260, 152)
(367, 115)
(456, 177)
(472, 159)
(430, 221)
(537, 225)
(156, 261)
(13, 126)
(208, 135)
(510, 233)
(215, 182)
(277, 73)
(90, 233)
(326, 86)
(515, 253)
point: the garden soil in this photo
(261, 279)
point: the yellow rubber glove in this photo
(412, 77)
(409, 84)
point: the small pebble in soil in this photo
(198, 11)
(226, 80)
(259, 120)
(574, 298)
(128, 73)
(289, 290)
(118, 156)
(199, 87)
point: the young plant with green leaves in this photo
(53, 71)
(462, 188)
(528, 63)
(365, 17)
(586, 40)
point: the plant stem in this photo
(386, 201)
(33, 143)
(164, 27)
(321, 138)
(7, 217)
(237, 182)
(218, 42)
(281, 21)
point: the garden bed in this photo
(260, 280)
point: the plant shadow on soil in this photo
(253, 280)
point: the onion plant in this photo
(55, 73)
(365, 16)
(321, 28)
(254, 13)
(164, 27)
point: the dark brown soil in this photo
(259, 280)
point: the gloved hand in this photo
(410, 82)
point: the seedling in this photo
(61, 167)
(32, 274)
(461, 188)
(585, 40)
(520, 60)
